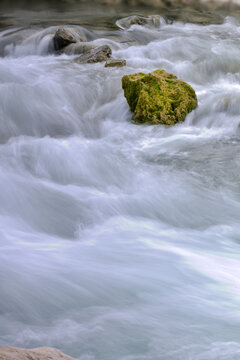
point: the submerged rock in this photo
(12, 353)
(66, 36)
(115, 63)
(99, 54)
(152, 20)
(158, 97)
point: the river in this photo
(120, 241)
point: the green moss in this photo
(158, 97)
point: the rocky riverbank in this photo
(209, 4)
(107, 12)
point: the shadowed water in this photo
(120, 241)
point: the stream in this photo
(120, 241)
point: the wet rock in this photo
(101, 53)
(158, 97)
(115, 63)
(77, 48)
(152, 20)
(12, 353)
(66, 36)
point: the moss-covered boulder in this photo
(158, 97)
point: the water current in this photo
(120, 241)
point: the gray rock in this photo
(77, 48)
(101, 53)
(12, 353)
(66, 36)
(152, 20)
(115, 63)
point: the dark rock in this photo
(101, 53)
(158, 97)
(66, 36)
(115, 63)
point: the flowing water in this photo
(120, 241)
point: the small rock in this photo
(12, 353)
(64, 37)
(158, 97)
(152, 20)
(101, 53)
(115, 63)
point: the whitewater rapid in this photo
(120, 241)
